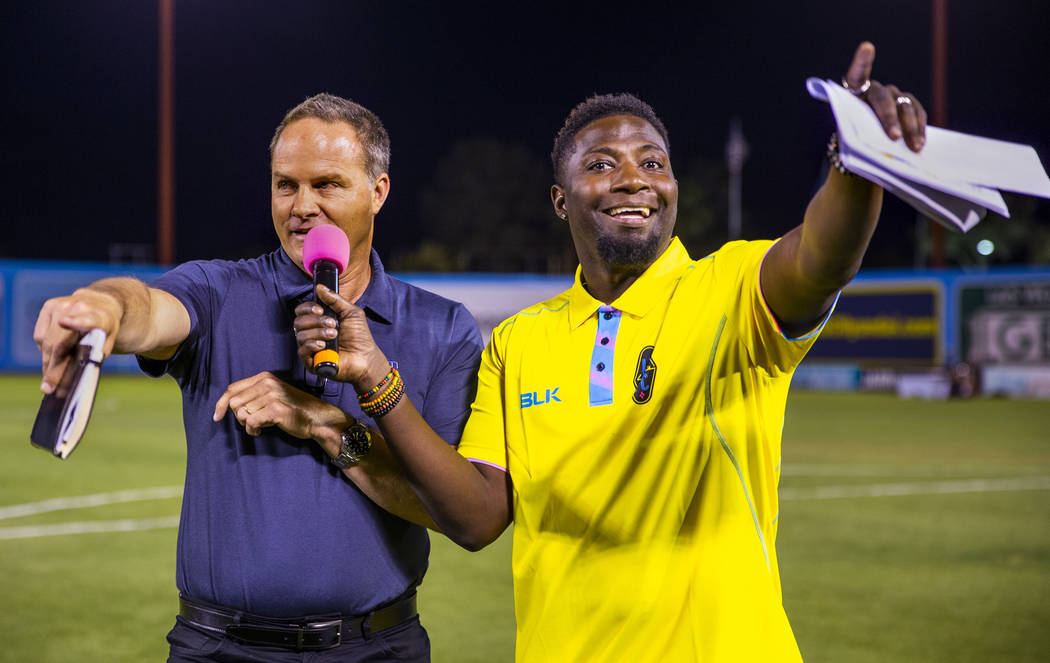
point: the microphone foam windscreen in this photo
(326, 243)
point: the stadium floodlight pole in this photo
(736, 154)
(939, 80)
(166, 133)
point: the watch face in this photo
(357, 440)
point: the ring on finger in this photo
(903, 100)
(247, 410)
(857, 91)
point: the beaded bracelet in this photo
(378, 409)
(385, 386)
(376, 389)
(833, 156)
(383, 397)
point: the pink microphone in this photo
(326, 253)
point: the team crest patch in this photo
(644, 376)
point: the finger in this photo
(860, 69)
(265, 413)
(313, 320)
(307, 350)
(43, 323)
(254, 417)
(56, 353)
(308, 310)
(917, 137)
(335, 302)
(234, 390)
(883, 100)
(909, 119)
(83, 317)
(221, 405)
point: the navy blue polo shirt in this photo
(268, 525)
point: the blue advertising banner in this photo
(886, 323)
(25, 286)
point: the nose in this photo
(630, 178)
(305, 203)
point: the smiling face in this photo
(318, 177)
(619, 195)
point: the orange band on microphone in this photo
(326, 357)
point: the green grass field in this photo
(909, 531)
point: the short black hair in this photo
(330, 108)
(595, 108)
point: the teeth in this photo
(617, 211)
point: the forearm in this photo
(836, 230)
(379, 476)
(468, 504)
(803, 272)
(469, 507)
(146, 325)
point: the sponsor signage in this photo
(885, 323)
(1005, 323)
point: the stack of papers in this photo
(954, 180)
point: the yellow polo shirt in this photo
(643, 443)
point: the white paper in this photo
(953, 179)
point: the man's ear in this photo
(558, 200)
(380, 190)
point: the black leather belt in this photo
(310, 633)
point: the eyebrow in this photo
(614, 152)
(323, 177)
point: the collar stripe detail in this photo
(603, 356)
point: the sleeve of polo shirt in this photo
(195, 285)
(484, 438)
(752, 320)
(448, 403)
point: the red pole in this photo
(166, 134)
(939, 79)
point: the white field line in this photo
(916, 488)
(88, 527)
(819, 493)
(87, 501)
(884, 470)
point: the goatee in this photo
(628, 251)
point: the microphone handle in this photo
(326, 362)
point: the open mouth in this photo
(628, 213)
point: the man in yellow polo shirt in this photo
(642, 440)
(631, 426)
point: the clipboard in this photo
(63, 415)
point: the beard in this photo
(629, 251)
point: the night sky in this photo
(80, 88)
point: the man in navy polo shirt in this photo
(280, 550)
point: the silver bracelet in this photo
(833, 155)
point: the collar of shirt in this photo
(295, 286)
(641, 296)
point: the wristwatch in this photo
(356, 441)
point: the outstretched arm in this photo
(469, 503)
(136, 318)
(804, 271)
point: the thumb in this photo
(334, 301)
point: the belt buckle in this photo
(319, 627)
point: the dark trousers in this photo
(407, 641)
